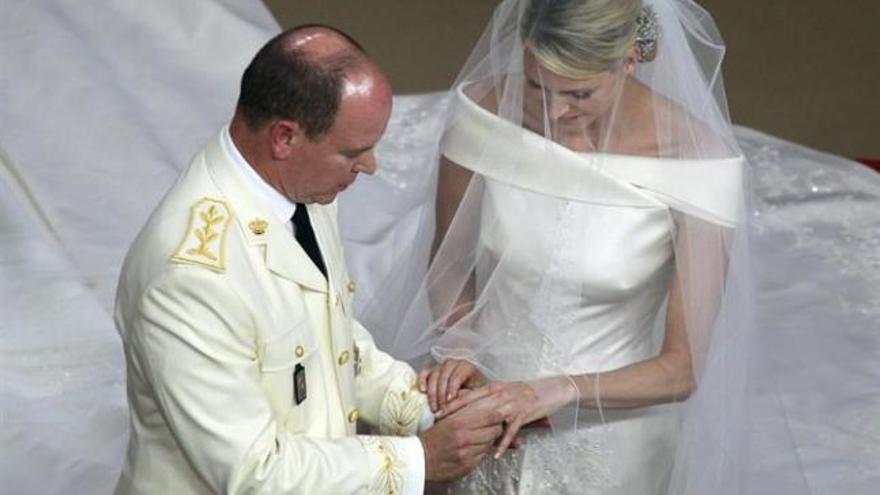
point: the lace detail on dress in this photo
(553, 314)
(543, 465)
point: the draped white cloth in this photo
(102, 104)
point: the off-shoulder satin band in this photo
(478, 140)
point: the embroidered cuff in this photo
(403, 409)
(399, 466)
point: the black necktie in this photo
(305, 236)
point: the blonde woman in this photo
(588, 263)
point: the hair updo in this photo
(580, 38)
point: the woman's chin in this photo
(572, 125)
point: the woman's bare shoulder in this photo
(683, 135)
(484, 94)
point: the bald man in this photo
(246, 370)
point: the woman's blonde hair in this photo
(580, 38)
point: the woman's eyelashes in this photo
(579, 95)
(576, 94)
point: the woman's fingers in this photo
(463, 374)
(423, 380)
(509, 435)
(539, 423)
(464, 398)
(486, 436)
(431, 389)
(495, 400)
(447, 369)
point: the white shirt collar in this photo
(282, 207)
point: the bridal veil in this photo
(580, 201)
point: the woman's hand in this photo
(443, 382)
(521, 404)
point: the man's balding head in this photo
(311, 111)
(303, 74)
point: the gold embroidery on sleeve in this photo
(402, 411)
(389, 478)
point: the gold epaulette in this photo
(205, 239)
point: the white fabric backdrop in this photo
(102, 103)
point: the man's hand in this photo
(457, 443)
(443, 382)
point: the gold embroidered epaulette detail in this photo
(389, 479)
(205, 239)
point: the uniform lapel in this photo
(325, 233)
(286, 258)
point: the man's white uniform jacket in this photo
(246, 371)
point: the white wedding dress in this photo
(618, 284)
(607, 295)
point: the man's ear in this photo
(284, 136)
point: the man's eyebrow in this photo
(357, 151)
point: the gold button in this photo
(343, 358)
(351, 286)
(353, 416)
(299, 351)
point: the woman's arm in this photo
(452, 183)
(667, 377)
(695, 293)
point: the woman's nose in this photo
(558, 108)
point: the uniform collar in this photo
(259, 222)
(282, 207)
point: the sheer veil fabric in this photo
(581, 225)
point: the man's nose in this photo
(366, 163)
